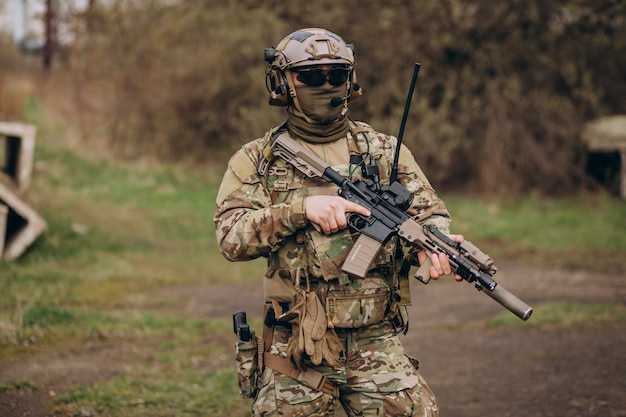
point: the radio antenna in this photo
(394, 169)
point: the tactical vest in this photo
(312, 260)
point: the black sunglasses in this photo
(316, 77)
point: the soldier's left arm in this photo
(425, 198)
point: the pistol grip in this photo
(361, 256)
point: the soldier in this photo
(329, 339)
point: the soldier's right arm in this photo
(247, 224)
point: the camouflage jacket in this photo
(264, 214)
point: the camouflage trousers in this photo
(377, 378)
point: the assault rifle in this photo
(387, 205)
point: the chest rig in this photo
(309, 254)
(312, 261)
(366, 151)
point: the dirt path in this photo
(475, 371)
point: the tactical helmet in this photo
(305, 47)
(311, 46)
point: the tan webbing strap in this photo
(267, 155)
(268, 332)
(311, 378)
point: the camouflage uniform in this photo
(264, 215)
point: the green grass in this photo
(149, 392)
(17, 386)
(180, 374)
(564, 314)
(118, 233)
(579, 232)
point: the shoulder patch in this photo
(243, 164)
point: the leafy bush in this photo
(503, 92)
(172, 81)
(15, 80)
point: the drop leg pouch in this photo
(247, 361)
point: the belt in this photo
(311, 378)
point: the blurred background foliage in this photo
(503, 92)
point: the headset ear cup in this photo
(356, 90)
(278, 89)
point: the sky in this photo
(32, 24)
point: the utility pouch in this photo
(247, 356)
(360, 303)
(247, 360)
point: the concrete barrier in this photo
(20, 223)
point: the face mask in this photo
(315, 102)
